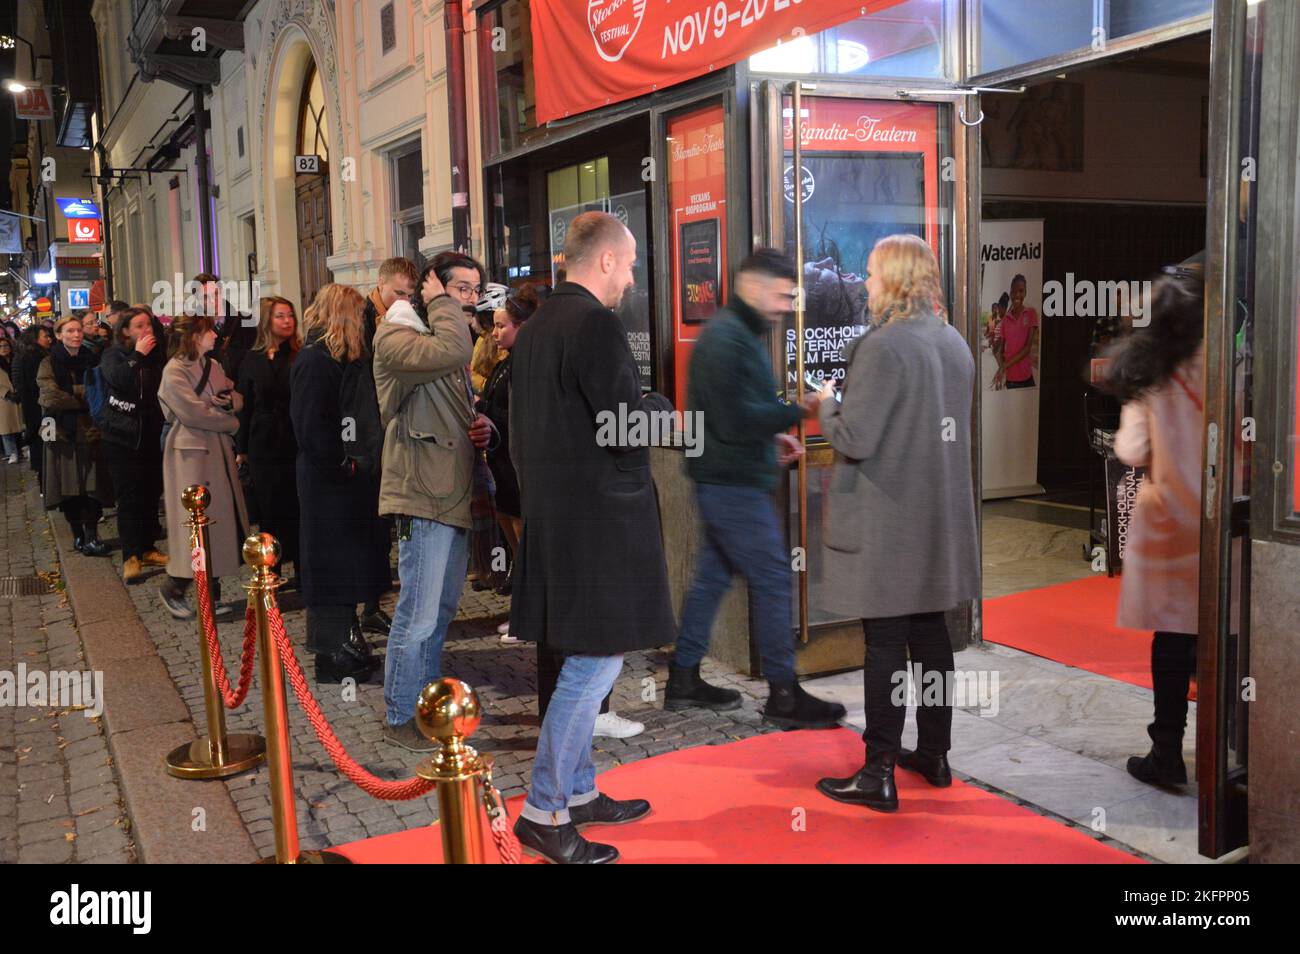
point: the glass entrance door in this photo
(842, 172)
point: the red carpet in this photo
(1072, 623)
(740, 804)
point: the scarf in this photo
(69, 369)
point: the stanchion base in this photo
(313, 858)
(194, 759)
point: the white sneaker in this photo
(614, 726)
(504, 628)
(13, 458)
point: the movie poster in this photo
(1010, 305)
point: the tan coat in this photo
(428, 466)
(74, 464)
(1164, 431)
(200, 449)
(11, 414)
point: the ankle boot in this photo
(934, 768)
(92, 545)
(1159, 767)
(78, 535)
(790, 707)
(872, 786)
(687, 690)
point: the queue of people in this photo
(380, 417)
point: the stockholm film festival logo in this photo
(614, 25)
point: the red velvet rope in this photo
(230, 699)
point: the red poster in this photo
(697, 228)
(83, 230)
(590, 53)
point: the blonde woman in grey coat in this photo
(900, 512)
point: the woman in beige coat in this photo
(11, 415)
(200, 407)
(1157, 373)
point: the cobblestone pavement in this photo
(331, 810)
(59, 797)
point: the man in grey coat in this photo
(900, 512)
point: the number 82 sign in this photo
(307, 164)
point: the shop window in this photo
(906, 40)
(407, 167)
(1012, 32)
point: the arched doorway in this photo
(311, 189)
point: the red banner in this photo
(590, 53)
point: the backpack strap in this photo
(203, 378)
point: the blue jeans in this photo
(563, 773)
(432, 567)
(742, 535)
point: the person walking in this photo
(265, 441)
(1157, 373)
(590, 577)
(430, 438)
(11, 414)
(343, 545)
(732, 388)
(900, 533)
(76, 479)
(131, 426)
(200, 409)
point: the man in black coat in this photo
(590, 578)
(236, 333)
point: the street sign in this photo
(77, 297)
(34, 104)
(306, 164)
(83, 230)
(44, 306)
(78, 208)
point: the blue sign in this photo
(78, 299)
(78, 208)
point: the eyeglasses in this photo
(465, 290)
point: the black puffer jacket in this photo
(131, 414)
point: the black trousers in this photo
(890, 642)
(138, 480)
(81, 510)
(549, 664)
(1173, 664)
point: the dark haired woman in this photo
(76, 478)
(32, 347)
(1157, 373)
(1019, 334)
(131, 425)
(200, 404)
(11, 415)
(495, 403)
(265, 439)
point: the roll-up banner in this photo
(1010, 302)
(590, 53)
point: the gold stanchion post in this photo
(262, 553)
(215, 755)
(447, 713)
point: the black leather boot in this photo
(934, 768)
(1160, 768)
(561, 844)
(686, 690)
(78, 535)
(789, 707)
(344, 663)
(357, 643)
(91, 544)
(872, 787)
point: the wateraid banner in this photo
(1010, 303)
(590, 53)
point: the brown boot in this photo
(131, 570)
(154, 558)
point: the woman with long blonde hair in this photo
(343, 545)
(900, 511)
(265, 439)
